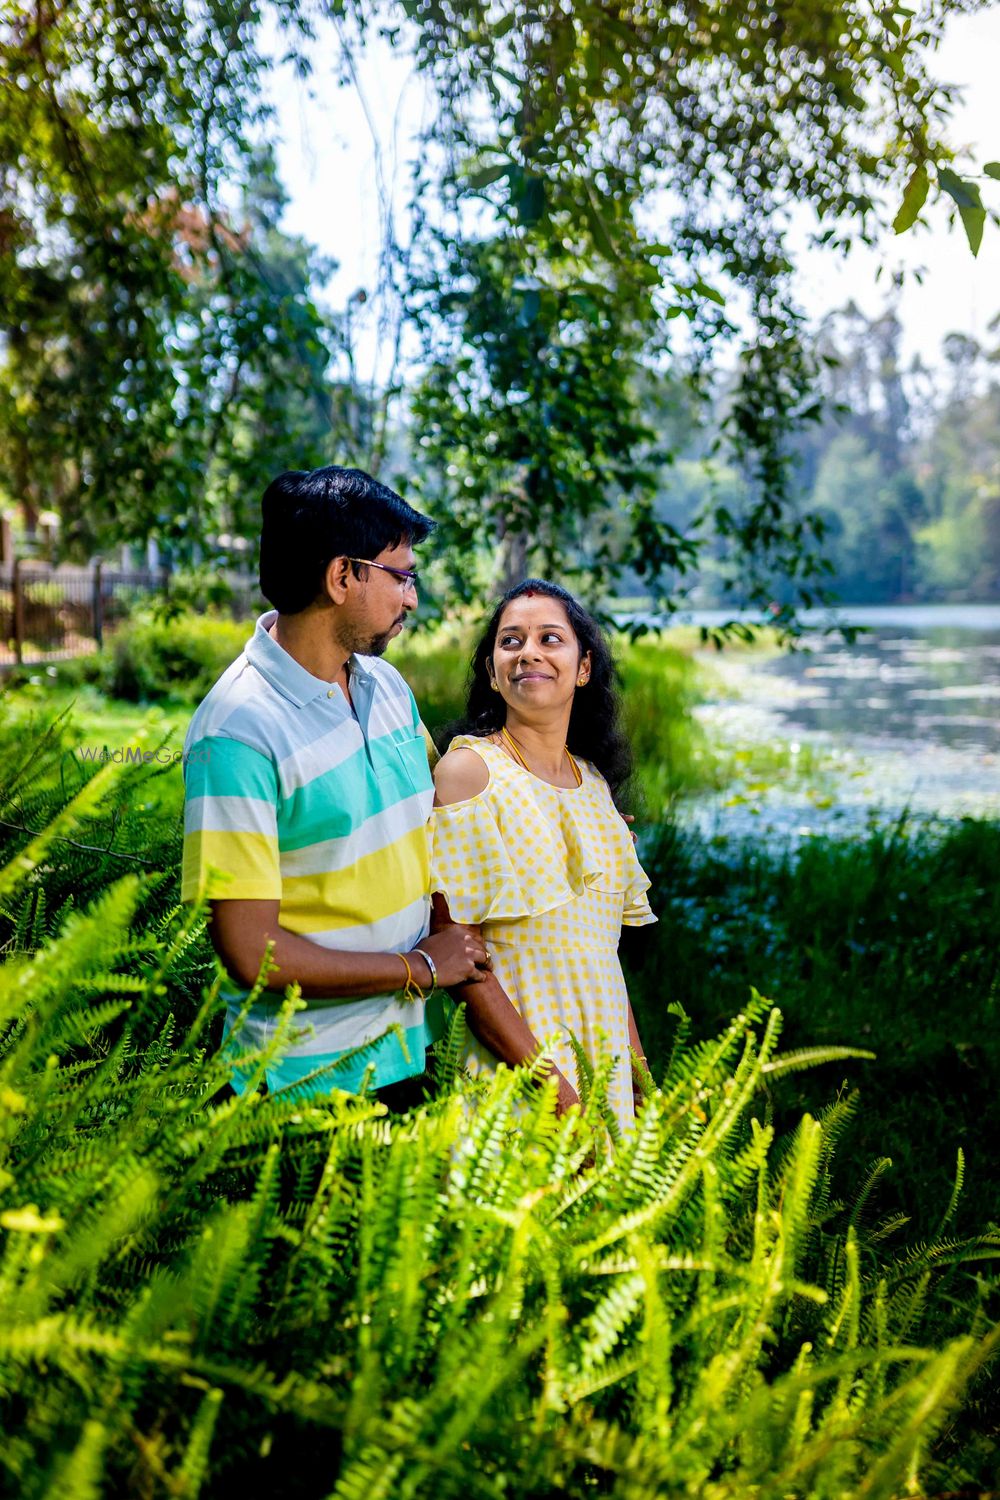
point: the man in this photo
(307, 793)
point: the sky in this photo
(344, 155)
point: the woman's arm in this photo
(640, 1057)
(494, 1019)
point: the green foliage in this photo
(164, 353)
(660, 687)
(900, 470)
(528, 421)
(549, 306)
(436, 666)
(889, 939)
(153, 658)
(959, 542)
(71, 823)
(207, 1294)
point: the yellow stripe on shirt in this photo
(250, 860)
(375, 886)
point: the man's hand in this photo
(459, 956)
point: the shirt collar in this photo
(283, 672)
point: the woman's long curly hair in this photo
(595, 731)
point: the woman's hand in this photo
(566, 1094)
(642, 1081)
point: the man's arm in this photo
(241, 930)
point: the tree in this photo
(528, 416)
(662, 149)
(959, 544)
(163, 347)
(596, 169)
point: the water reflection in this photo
(942, 687)
(907, 719)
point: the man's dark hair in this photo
(310, 517)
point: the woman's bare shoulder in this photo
(460, 775)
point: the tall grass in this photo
(887, 941)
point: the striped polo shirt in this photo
(292, 796)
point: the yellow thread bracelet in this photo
(411, 984)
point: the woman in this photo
(528, 847)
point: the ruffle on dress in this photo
(500, 856)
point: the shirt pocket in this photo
(412, 755)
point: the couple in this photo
(311, 820)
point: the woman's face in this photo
(536, 657)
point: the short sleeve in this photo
(472, 867)
(637, 911)
(230, 823)
(433, 753)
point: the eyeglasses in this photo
(407, 577)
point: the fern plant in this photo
(205, 1294)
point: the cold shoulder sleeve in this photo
(638, 912)
(475, 865)
(499, 857)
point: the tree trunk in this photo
(512, 558)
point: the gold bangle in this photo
(411, 984)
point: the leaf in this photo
(965, 194)
(992, 169)
(483, 176)
(812, 1057)
(599, 229)
(531, 202)
(712, 293)
(913, 200)
(974, 220)
(968, 202)
(529, 307)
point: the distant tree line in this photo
(905, 466)
(901, 466)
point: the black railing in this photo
(49, 614)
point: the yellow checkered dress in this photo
(551, 875)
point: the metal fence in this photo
(49, 614)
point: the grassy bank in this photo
(163, 667)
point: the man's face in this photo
(382, 601)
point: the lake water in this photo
(907, 718)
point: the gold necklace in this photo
(512, 745)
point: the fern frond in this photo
(811, 1057)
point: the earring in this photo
(494, 685)
(582, 681)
